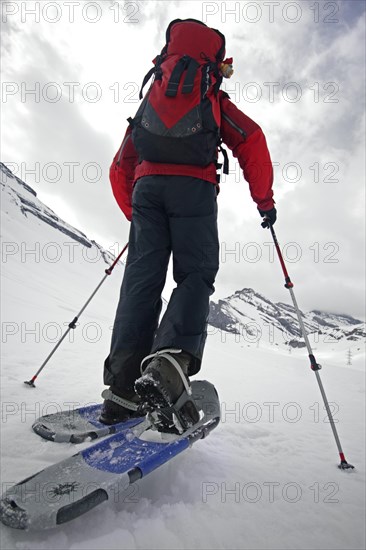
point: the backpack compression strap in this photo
(183, 63)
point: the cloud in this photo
(316, 142)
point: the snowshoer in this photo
(164, 178)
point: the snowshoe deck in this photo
(77, 425)
(107, 468)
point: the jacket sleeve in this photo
(248, 144)
(121, 174)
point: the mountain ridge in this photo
(33, 205)
(245, 312)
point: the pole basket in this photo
(344, 465)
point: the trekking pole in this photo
(72, 324)
(314, 365)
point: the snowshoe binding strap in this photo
(108, 394)
(166, 354)
(176, 417)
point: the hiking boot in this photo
(164, 387)
(114, 412)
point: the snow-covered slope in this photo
(266, 478)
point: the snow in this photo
(266, 478)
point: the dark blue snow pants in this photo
(171, 214)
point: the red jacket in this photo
(241, 135)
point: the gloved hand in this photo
(271, 215)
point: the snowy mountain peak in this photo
(250, 313)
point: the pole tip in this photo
(30, 383)
(344, 465)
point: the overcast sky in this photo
(71, 73)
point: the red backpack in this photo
(179, 119)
